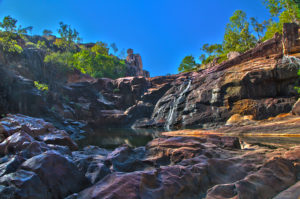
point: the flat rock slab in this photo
(282, 125)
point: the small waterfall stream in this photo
(291, 60)
(102, 99)
(184, 88)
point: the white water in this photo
(174, 105)
(290, 60)
(103, 100)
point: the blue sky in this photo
(162, 31)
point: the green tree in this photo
(282, 11)
(259, 28)
(210, 53)
(47, 33)
(61, 61)
(237, 34)
(114, 48)
(187, 64)
(68, 37)
(100, 48)
(9, 24)
(9, 34)
(99, 64)
(290, 7)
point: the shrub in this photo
(41, 45)
(298, 88)
(62, 61)
(40, 86)
(10, 45)
(99, 65)
(30, 44)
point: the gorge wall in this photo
(259, 82)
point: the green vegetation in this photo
(239, 35)
(94, 60)
(187, 64)
(116, 90)
(297, 87)
(47, 33)
(41, 87)
(68, 38)
(41, 45)
(98, 63)
(61, 60)
(9, 33)
(282, 11)
(65, 53)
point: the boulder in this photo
(296, 108)
(37, 129)
(275, 176)
(96, 171)
(232, 55)
(291, 193)
(59, 174)
(126, 159)
(237, 118)
(10, 164)
(24, 185)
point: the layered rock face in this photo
(135, 65)
(259, 83)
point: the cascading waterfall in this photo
(291, 60)
(102, 99)
(184, 88)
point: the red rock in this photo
(273, 177)
(296, 108)
(37, 128)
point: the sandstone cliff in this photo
(259, 82)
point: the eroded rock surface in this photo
(212, 167)
(174, 167)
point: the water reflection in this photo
(281, 142)
(111, 138)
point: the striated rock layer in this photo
(259, 83)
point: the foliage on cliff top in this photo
(93, 60)
(282, 11)
(187, 64)
(239, 31)
(41, 87)
(64, 53)
(9, 34)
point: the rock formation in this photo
(39, 159)
(135, 65)
(259, 82)
(174, 167)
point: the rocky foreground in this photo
(39, 161)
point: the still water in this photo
(111, 138)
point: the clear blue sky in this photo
(162, 31)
